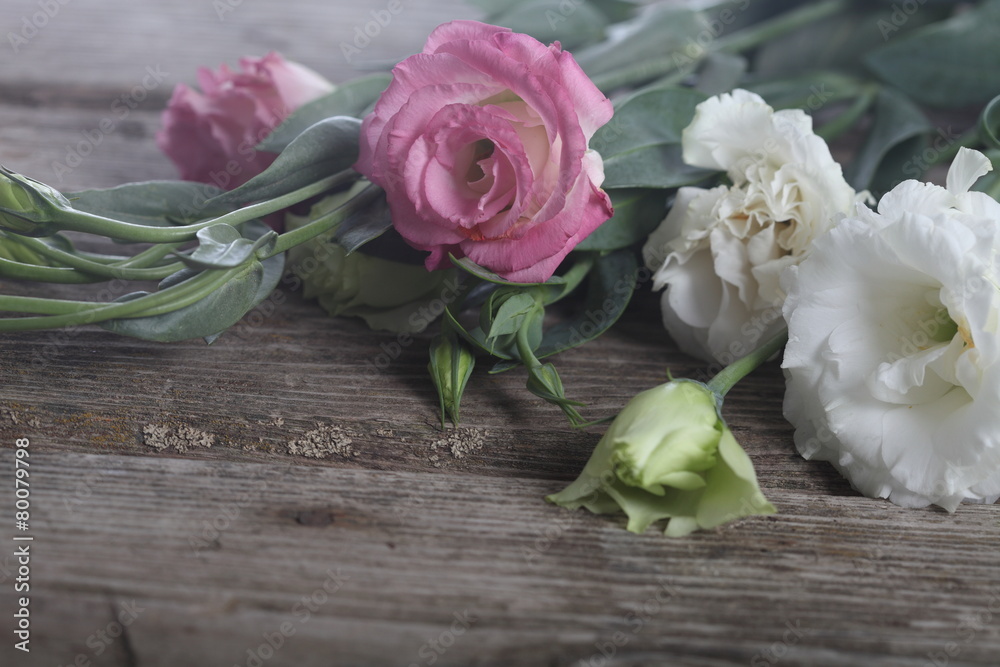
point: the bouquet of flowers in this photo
(496, 173)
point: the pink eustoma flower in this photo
(480, 143)
(210, 135)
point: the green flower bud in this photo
(12, 249)
(669, 455)
(450, 366)
(27, 206)
(388, 295)
(506, 311)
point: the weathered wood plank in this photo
(221, 553)
(218, 545)
(112, 42)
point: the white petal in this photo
(967, 167)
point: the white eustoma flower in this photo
(893, 358)
(719, 252)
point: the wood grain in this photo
(221, 552)
(218, 546)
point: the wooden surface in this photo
(402, 544)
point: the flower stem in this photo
(44, 274)
(846, 120)
(325, 222)
(97, 269)
(739, 41)
(173, 298)
(765, 31)
(736, 371)
(80, 221)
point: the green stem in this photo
(99, 269)
(524, 350)
(29, 304)
(739, 41)
(736, 371)
(81, 221)
(173, 298)
(642, 71)
(765, 31)
(44, 274)
(150, 256)
(246, 213)
(846, 120)
(325, 222)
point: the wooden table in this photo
(403, 545)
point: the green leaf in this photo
(364, 226)
(640, 146)
(609, 290)
(660, 31)
(545, 383)
(809, 92)
(222, 246)
(216, 312)
(615, 11)
(573, 23)
(660, 166)
(646, 119)
(474, 269)
(326, 148)
(637, 213)
(476, 337)
(892, 148)
(151, 203)
(841, 41)
(505, 311)
(612, 10)
(349, 99)
(953, 63)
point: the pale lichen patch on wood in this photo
(181, 438)
(323, 441)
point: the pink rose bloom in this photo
(481, 145)
(210, 135)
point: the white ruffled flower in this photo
(720, 252)
(893, 359)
